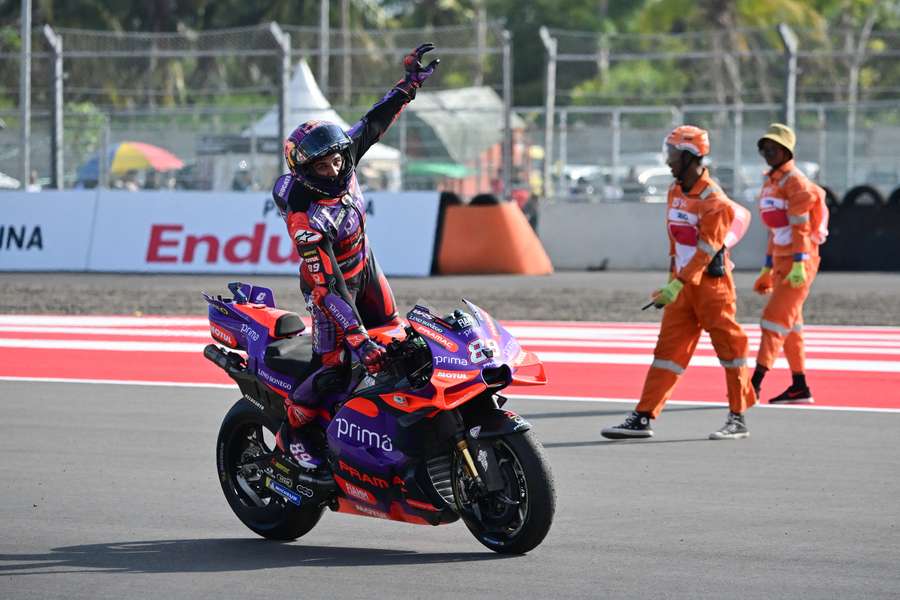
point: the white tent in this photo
(9, 183)
(306, 102)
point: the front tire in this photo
(241, 439)
(516, 519)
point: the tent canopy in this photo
(306, 102)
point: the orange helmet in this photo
(689, 138)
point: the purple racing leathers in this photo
(344, 288)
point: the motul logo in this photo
(168, 244)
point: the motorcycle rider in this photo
(344, 288)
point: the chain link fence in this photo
(211, 99)
(616, 96)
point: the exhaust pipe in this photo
(226, 361)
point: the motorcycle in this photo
(425, 441)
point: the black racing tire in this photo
(852, 197)
(894, 198)
(529, 481)
(831, 199)
(263, 511)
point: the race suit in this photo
(343, 285)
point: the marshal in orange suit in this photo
(701, 223)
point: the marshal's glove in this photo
(797, 276)
(667, 294)
(416, 74)
(763, 283)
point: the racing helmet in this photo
(689, 139)
(312, 141)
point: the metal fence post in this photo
(283, 40)
(789, 39)
(550, 44)
(616, 143)
(103, 157)
(324, 42)
(25, 92)
(56, 118)
(563, 146)
(507, 113)
(823, 139)
(402, 126)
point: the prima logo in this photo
(450, 360)
(335, 312)
(250, 333)
(366, 437)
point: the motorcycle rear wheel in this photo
(516, 519)
(265, 512)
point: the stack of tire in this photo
(864, 231)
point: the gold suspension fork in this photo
(463, 448)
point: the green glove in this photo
(797, 276)
(668, 294)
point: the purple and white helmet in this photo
(314, 140)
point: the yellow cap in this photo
(781, 134)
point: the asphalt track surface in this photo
(110, 490)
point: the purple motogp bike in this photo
(425, 441)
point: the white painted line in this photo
(104, 345)
(812, 364)
(97, 321)
(531, 344)
(511, 396)
(698, 403)
(110, 331)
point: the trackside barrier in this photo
(490, 239)
(193, 232)
(624, 235)
(47, 231)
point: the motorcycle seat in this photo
(291, 356)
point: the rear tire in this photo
(511, 528)
(266, 513)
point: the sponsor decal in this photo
(399, 400)
(282, 491)
(450, 375)
(222, 335)
(285, 181)
(249, 332)
(435, 336)
(261, 298)
(283, 480)
(517, 419)
(367, 510)
(425, 319)
(358, 493)
(21, 238)
(451, 360)
(511, 346)
(274, 380)
(366, 437)
(465, 321)
(169, 245)
(339, 316)
(305, 237)
(483, 459)
(254, 402)
(304, 490)
(475, 432)
(374, 481)
(281, 467)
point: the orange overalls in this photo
(788, 205)
(697, 223)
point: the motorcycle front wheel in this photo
(242, 439)
(515, 519)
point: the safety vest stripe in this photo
(798, 327)
(709, 190)
(706, 247)
(774, 327)
(786, 176)
(797, 219)
(667, 365)
(733, 364)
